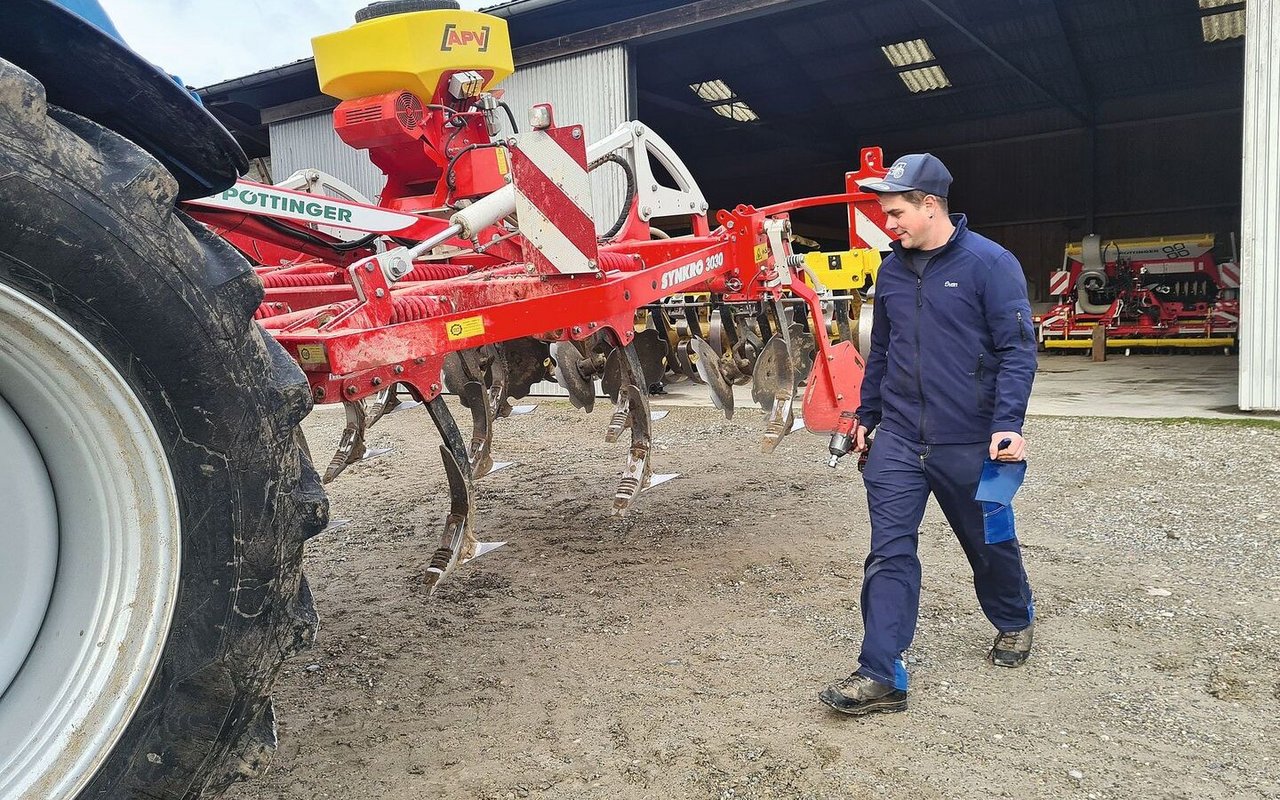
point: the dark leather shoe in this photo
(857, 695)
(1011, 649)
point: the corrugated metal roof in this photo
(1006, 58)
(817, 76)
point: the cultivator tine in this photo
(621, 419)
(458, 543)
(611, 381)
(387, 402)
(624, 367)
(351, 447)
(843, 321)
(448, 429)
(773, 386)
(486, 366)
(568, 358)
(802, 348)
(708, 365)
(479, 459)
(691, 319)
(779, 422)
(380, 405)
(635, 478)
(457, 536)
(497, 386)
(684, 358)
(488, 384)
(763, 323)
(673, 338)
(461, 367)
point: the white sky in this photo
(208, 41)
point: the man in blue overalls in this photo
(953, 355)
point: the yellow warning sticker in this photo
(762, 253)
(312, 354)
(464, 328)
(503, 169)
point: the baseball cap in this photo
(922, 172)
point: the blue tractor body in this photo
(72, 47)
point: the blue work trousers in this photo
(900, 475)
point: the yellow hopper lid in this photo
(411, 51)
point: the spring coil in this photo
(267, 310)
(286, 280)
(434, 272)
(622, 262)
(408, 309)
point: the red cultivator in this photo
(482, 273)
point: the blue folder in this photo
(999, 483)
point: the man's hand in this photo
(1016, 450)
(860, 439)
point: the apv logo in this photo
(455, 37)
(897, 170)
(679, 275)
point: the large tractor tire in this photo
(154, 498)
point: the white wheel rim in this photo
(89, 528)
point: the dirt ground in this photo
(678, 652)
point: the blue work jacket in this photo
(953, 353)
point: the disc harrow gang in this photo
(504, 281)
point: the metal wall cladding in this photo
(311, 143)
(1260, 228)
(590, 89)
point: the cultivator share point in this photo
(482, 271)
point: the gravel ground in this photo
(677, 652)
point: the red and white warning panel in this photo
(868, 226)
(553, 200)
(1229, 275)
(1060, 283)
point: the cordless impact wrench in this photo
(842, 441)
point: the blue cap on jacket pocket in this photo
(922, 172)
